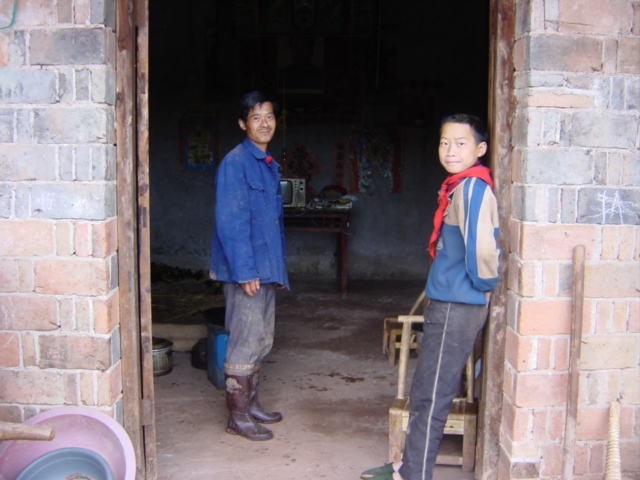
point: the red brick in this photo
(539, 430)
(83, 315)
(612, 280)
(28, 350)
(592, 423)
(25, 238)
(67, 314)
(31, 387)
(604, 314)
(5, 40)
(105, 238)
(608, 351)
(605, 17)
(87, 391)
(581, 459)
(552, 100)
(552, 317)
(109, 385)
(555, 242)
(628, 58)
(597, 458)
(629, 452)
(82, 239)
(70, 276)
(9, 349)
(27, 312)
(519, 351)
(630, 387)
(540, 389)
(544, 354)
(106, 315)
(551, 462)
(10, 413)
(555, 425)
(25, 276)
(609, 242)
(74, 351)
(561, 349)
(64, 239)
(627, 246)
(550, 279)
(71, 396)
(8, 275)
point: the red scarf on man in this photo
(451, 182)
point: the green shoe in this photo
(380, 473)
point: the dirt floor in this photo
(326, 374)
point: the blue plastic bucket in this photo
(217, 340)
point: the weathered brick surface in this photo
(74, 351)
(555, 242)
(558, 167)
(104, 238)
(566, 53)
(540, 389)
(612, 279)
(26, 238)
(30, 86)
(106, 314)
(611, 206)
(600, 352)
(605, 130)
(34, 387)
(552, 317)
(73, 125)
(19, 163)
(27, 312)
(8, 275)
(9, 350)
(82, 201)
(68, 46)
(607, 17)
(72, 276)
(628, 61)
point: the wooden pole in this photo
(20, 431)
(568, 452)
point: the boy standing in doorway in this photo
(248, 256)
(462, 276)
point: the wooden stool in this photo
(391, 333)
(462, 419)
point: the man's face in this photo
(458, 148)
(260, 125)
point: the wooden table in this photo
(325, 220)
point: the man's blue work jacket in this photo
(248, 240)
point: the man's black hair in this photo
(477, 127)
(252, 99)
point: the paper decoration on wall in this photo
(339, 162)
(375, 154)
(301, 163)
(199, 140)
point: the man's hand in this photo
(251, 287)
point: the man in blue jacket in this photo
(248, 256)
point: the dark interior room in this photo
(362, 86)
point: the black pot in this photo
(199, 354)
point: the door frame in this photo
(132, 68)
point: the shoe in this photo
(256, 410)
(374, 473)
(241, 422)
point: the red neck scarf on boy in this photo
(451, 182)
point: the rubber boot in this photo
(240, 420)
(257, 412)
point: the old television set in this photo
(294, 192)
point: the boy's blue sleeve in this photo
(480, 232)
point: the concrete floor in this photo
(326, 374)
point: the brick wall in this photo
(59, 336)
(576, 173)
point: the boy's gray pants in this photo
(450, 331)
(250, 323)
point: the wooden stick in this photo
(20, 431)
(568, 451)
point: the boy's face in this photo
(458, 148)
(260, 125)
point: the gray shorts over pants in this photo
(250, 323)
(450, 331)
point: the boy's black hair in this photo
(479, 131)
(252, 99)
